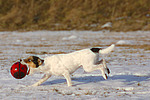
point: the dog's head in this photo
(33, 62)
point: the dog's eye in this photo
(29, 60)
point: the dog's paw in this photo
(105, 76)
(34, 85)
(107, 70)
(28, 86)
(69, 85)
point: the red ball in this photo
(18, 70)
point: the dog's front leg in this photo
(67, 76)
(44, 78)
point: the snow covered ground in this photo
(129, 65)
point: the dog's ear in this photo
(40, 61)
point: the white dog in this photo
(66, 64)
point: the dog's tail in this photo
(107, 50)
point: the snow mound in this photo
(122, 42)
(70, 37)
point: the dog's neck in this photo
(43, 63)
(43, 67)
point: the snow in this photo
(130, 67)
(122, 42)
(70, 37)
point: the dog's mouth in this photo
(28, 71)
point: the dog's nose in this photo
(20, 60)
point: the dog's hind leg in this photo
(104, 69)
(97, 67)
(101, 65)
(67, 76)
(103, 73)
(44, 78)
(91, 68)
(105, 66)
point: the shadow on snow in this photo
(131, 79)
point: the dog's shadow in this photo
(130, 79)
